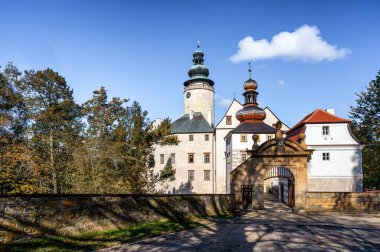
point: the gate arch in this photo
(272, 153)
(280, 180)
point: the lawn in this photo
(97, 240)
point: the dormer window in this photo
(325, 130)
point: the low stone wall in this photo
(343, 201)
(23, 215)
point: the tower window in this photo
(228, 120)
(207, 174)
(243, 138)
(207, 137)
(207, 157)
(190, 174)
(191, 137)
(162, 158)
(326, 156)
(326, 130)
(191, 158)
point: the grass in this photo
(98, 240)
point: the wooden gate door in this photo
(282, 192)
(291, 201)
(246, 191)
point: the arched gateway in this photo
(278, 152)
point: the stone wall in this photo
(343, 201)
(24, 215)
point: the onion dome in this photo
(250, 112)
(198, 71)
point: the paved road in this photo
(275, 229)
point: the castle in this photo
(207, 152)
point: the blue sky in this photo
(142, 49)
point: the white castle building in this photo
(207, 153)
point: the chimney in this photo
(331, 111)
(191, 115)
(209, 117)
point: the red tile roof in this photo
(317, 116)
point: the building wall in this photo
(343, 201)
(343, 172)
(237, 147)
(198, 147)
(221, 131)
(200, 100)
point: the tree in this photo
(163, 133)
(54, 124)
(168, 173)
(366, 125)
(100, 158)
(18, 170)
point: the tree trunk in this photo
(52, 165)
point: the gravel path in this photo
(273, 229)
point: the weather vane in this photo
(249, 69)
(198, 44)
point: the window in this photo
(190, 174)
(191, 137)
(191, 157)
(172, 158)
(326, 156)
(207, 174)
(325, 130)
(228, 120)
(269, 137)
(162, 158)
(207, 137)
(243, 156)
(243, 138)
(207, 157)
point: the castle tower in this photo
(251, 112)
(199, 89)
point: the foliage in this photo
(366, 125)
(168, 173)
(163, 133)
(50, 144)
(18, 170)
(54, 120)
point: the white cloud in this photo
(225, 102)
(281, 82)
(305, 44)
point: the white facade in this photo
(336, 164)
(199, 148)
(221, 131)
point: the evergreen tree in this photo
(366, 124)
(168, 173)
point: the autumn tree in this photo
(366, 124)
(54, 120)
